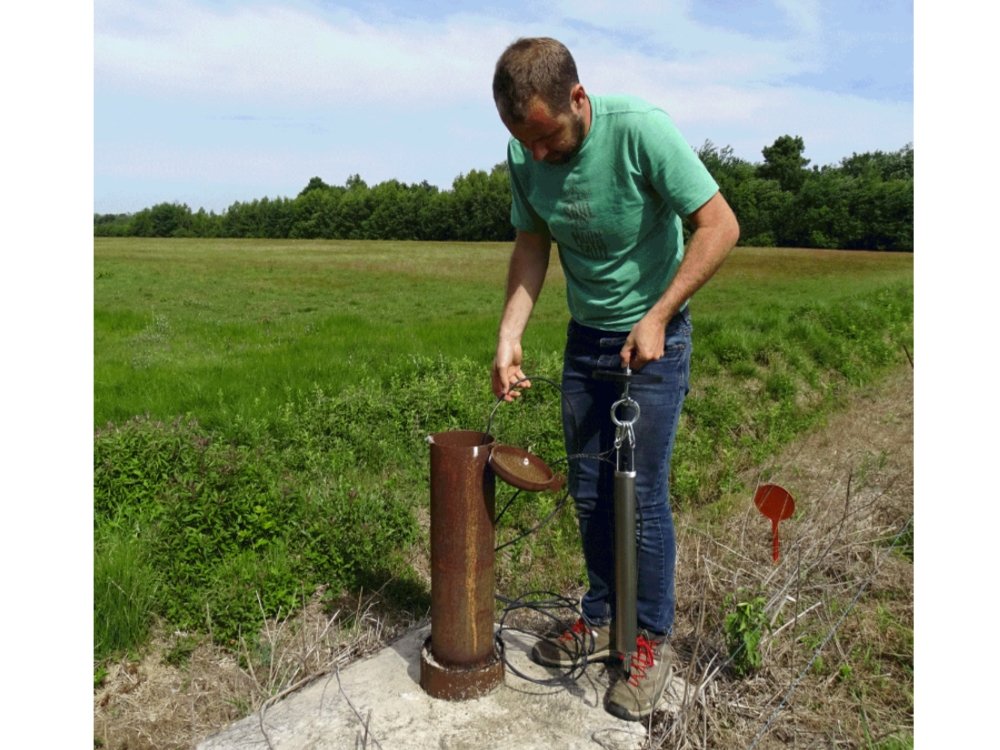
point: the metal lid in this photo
(524, 470)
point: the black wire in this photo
(500, 399)
(489, 431)
(554, 601)
(561, 503)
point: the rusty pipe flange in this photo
(458, 683)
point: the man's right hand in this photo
(525, 276)
(507, 371)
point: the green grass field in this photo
(217, 327)
(186, 326)
(261, 409)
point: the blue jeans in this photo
(588, 430)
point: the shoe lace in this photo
(642, 660)
(577, 630)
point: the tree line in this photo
(864, 202)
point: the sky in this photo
(207, 102)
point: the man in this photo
(609, 179)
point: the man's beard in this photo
(564, 156)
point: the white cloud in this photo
(805, 15)
(320, 88)
(302, 53)
(728, 86)
(294, 54)
(696, 53)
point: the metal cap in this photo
(524, 470)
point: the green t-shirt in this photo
(614, 209)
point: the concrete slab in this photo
(378, 703)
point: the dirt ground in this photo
(837, 654)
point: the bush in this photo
(224, 523)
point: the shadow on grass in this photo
(387, 595)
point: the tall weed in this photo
(126, 589)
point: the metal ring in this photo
(614, 408)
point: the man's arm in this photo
(715, 233)
(525, 276)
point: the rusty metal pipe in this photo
(460, 660)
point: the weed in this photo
(181, 650)
(896, 742)
(744, 627)
(819, 667)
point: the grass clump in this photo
(744, 627)
(126, 586)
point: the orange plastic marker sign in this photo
(777, 504)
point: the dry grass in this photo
(168, 700)
(837, 663)
(838, 660)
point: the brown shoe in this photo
(568, 648)
(634, 697)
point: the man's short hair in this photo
(530, 67)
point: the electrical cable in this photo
(561, 503)
(546, 606)
(553, 601)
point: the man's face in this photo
(552, 138)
